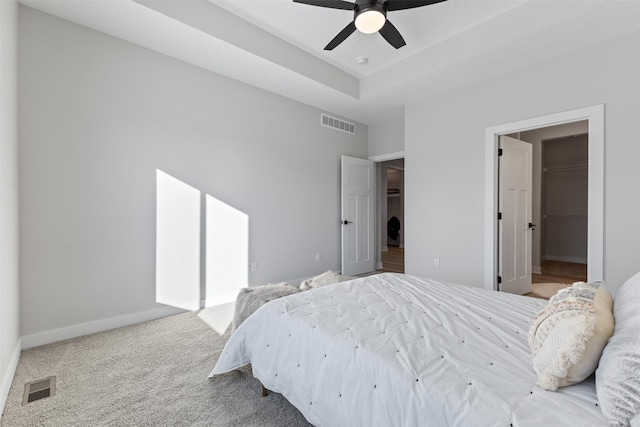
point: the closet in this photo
(565, 197)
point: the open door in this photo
(357, 189)
(514, 218)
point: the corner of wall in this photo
(10, 343)
(7, 377)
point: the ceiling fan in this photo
(370, 16)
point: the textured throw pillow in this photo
(324, 279)
(618, 375)
(251, 299)
(567, 337)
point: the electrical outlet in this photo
(436, 262)
(317, 256)
(254, 266)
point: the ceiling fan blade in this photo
(342, 36)
(332, 4)
(392, 35)
(408, 4)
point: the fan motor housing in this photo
(366, 5)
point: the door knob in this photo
(531, 225)
(345, 222)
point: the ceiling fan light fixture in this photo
(371, 18)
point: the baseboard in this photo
(384, 249)
(46, 337)
(379, 266)
(536, 269)
(7, 378)
(566, 259)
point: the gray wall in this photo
(445, 152)
(386, 137)
(9, 290)
(98, 116)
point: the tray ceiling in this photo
(277, 45)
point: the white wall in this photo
(9, 290)
(386, 137)
(99, 116)
(445, 143)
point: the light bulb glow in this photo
(370, 21)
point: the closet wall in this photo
(564, 201)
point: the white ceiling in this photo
(278, 45)
(311, 28)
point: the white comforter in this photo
(395, 350)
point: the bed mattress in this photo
(393, 349)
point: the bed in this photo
(393, 349)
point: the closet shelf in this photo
(565, 217)
(565, 168)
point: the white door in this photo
(514, 207)
(357, 221)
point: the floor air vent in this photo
(336, 123)
(40, 389)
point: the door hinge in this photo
(499, 215)
(499, 279)
(499, 152)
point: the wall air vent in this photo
(336, 123)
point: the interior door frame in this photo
(595, 239)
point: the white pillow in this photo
(618, 375)
(567, 337)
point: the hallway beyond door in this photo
(393, 260)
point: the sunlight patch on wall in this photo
(227, 251)
(177, 243)
(198, 264)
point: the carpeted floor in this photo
(150, 374)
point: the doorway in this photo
(593, 117)
(390, 216)
(560, 204)
(564, 233)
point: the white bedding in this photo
(395, 350)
